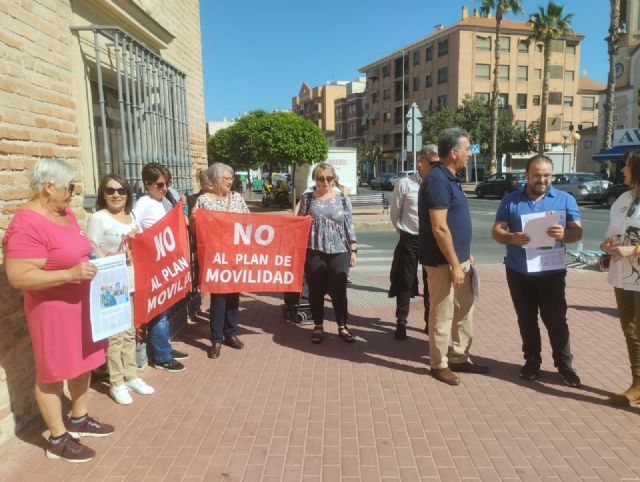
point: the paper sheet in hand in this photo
(110, 300)
(535, 226)
(475, 284)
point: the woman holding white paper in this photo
(110, 228)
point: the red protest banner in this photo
(161, 265)
(250, 252)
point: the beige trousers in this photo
(450, 316)
(121, 357)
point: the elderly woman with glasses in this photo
(331, 249)
(110, 228)
(223, 314)
(47, 256)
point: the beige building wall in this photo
(45, 110)
(318, 104)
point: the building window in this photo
(569, 75)
(398, 66)
(588, 103)
(539, 48)
(483, 97)
(566, 127)
(555, 98)
(535, 100)
(523, 46)
(397, 139)
(586, 125)
(443, 48)
(503, 72)
(571, 49)
(523, 73)
(537, 74)
(386, 117)
(443, 75)
(555, 71)
(521, 101)
(557, 45)
(385, 71)
(568, 101)
(483, 44)
(397, 115)
(385, 94)
(416, 58)
(442, 101)
(428, 81)
(416, 83)
(398, 90)
(483, 71)
(374, 100)
(505, 44)
(429, 54)
(385, 139)
(503, 101)
(520, 125)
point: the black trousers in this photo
(327, 273)
(545, 293)
(404, 280)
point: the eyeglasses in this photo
(428, 161)
(325, 178)
(110, 191)
(161, 185)
(71, 187)
(228, 179)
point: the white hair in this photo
(55, 171)
(217, 169)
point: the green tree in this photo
(612, 48)
(547, 26)
(368, 153)
(499, 7)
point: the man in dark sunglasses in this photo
(404, 216)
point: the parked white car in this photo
(400, 175)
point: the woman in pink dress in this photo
(47, 256)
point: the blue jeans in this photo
(223, 315)
(158, 330)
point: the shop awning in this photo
(615, 153)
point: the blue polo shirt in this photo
(442, 190)
(517, 203)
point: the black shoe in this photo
(569, 376)
(401, 332)
(214, 351)
(172, 365)
(530, 370)
(179, 355)
(468, 367)
(234, 342)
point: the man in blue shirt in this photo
(536, 276)
(444, 236)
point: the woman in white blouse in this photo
(223, 314)
(623, 244)
(109, 228)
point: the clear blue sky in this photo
(257, 53)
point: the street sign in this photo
(474, 149)
(410, 142)
(414, 125)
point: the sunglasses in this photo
(110, 191)
(325, 178)
(71, 187)
(161, 185)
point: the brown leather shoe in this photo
(631, 396)
(445, 375)
(468, 367)
(214, 351)
(234, 342)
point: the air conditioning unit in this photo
(547, 147)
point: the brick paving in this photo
(285, 409)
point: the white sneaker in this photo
(139, 386)
(120, 394)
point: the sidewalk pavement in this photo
(285, 409)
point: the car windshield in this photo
(587, 177)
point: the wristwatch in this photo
(354, 250)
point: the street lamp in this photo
(402, 156)
(564, 149)
(575, 137)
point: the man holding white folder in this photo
(535, 223)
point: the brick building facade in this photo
(58, 70)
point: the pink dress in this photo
(58, 317)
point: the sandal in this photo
(343, 332)
(316, 336)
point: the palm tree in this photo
(547, 26)
(612, 44)
(500, 7)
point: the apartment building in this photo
(350, 114)
(453, 62)
(318, 104)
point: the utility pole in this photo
(403, 157)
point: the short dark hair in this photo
(152, 171)
(450, 139)
(633, 159)
(100, 201)
(538, 158)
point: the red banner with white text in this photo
(161, 265)
(251, 252)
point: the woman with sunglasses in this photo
(47, 256)
(331, 250)
(623, 244)
(109, 228)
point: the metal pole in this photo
(125, 147)
(475, 168)
(103, 113)
(402, 158)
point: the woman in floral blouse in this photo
(223, 315)
(331, 250)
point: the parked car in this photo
(400, 175)
(614, 192)
(383, 181)
(584, 186)
(500, 184)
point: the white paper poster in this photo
(544, 258)
(110, 299)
